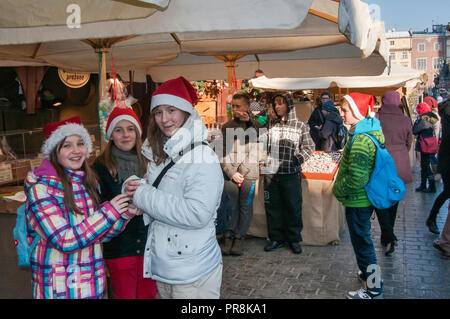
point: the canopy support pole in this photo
(230, 63)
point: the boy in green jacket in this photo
(354, 173)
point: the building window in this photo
(437, 63)
(392, 56)
(437, 46)
(404, 55)
(392, 42)
(421, 47)
(422, 64)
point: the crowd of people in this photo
(153, 218)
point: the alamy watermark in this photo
(375, 12)
(74, 18)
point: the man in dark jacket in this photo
(241, 170)
(289, 145)
(328, 133)
(316, 120)
(443, 167)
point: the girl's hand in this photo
(120, 203)
(134, 210)
(130, 188)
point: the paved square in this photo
(415, 269)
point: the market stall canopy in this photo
(26, 13)
(335, 38)
(394, 77)
(315, 37)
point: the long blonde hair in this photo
(90, 182)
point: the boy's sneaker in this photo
(363, 293)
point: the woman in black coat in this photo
(424, 128)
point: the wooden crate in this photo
(6, 174)
(20, 169)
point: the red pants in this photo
(127, 278)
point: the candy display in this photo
(321, 165)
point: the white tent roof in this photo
(396, 76)
(26, 13)
(316, 36)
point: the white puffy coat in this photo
(181, 244)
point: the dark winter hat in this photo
(391, 98)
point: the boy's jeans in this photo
(358, 221)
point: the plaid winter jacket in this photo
(289, 143)
(67, 262)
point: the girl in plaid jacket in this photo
(63, 210)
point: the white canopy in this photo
(26, 13)
(317, 37)
(396, 76)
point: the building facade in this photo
(400, 47)
(429, 52)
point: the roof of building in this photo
(392, 34)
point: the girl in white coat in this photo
(181, 253)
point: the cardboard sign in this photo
(73, 79)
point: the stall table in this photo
(322, 215)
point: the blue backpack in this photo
(23, 249)
(385, 188)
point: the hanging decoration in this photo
(116, 96)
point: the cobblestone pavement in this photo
(415, 269)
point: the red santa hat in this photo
(361, 104)
(56, 132)
(176, 92)
(122, 113)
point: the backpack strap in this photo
(374, 140)
(176, 159)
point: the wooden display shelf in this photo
(321, 176)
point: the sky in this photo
(412, 14)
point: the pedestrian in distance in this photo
(316, 120)
(64, 210)
(120, 159)
(179, 195)
(328, 134)
(240, 166)
(354, 173)
(433, 104)
(397, 131)
(424, 128)
(289, 144)
(443, 167)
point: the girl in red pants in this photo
(122, 158)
